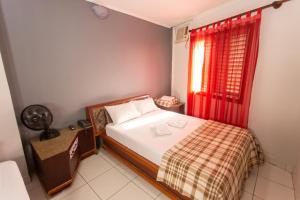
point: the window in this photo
(229, 68)
(236, 60)
(222, 64)
(198, 61)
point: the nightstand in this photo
(57, 159)
(179, 108)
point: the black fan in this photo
(39, 117)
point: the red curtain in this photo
(222, 64)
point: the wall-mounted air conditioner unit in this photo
(182, 34)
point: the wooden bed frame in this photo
(142, 166)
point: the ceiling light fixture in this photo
(101, 11)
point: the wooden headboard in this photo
(97, 114)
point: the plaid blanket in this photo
(165, 103)
(211, 163)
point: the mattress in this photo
(139, 134)
(11, 182)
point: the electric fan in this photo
(39, 117)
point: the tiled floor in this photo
(103, 177)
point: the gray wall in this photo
(58, 53)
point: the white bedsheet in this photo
(139, 136)
(12, 186)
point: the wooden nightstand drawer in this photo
(179, 108)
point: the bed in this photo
(136, 142)
(11, 182)
(138, 134)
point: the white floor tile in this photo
(151, 190)
(92, 167)
(254, 171)
(250, 182)
(88, 159)
(108, 157)
(162, 197)
(83, 193)
(276, 174)
(108, 183)
(269, 190)
(35, 182)
(126, 171)
(77, 183)
(256, 198)
(246, 196)
(37, 193)
(131, 192)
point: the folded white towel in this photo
(167, 98)
(177, 123)
(162, 129)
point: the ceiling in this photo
(167, 13)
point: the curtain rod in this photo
(275, 5)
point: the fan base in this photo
(49, 134)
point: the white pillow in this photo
(122, 112)
(145, 105)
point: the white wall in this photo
(179, 69)
(10, 141)
(275, 105)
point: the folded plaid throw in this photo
(211, 163)
(166, 103)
